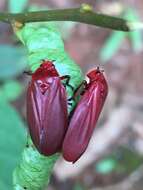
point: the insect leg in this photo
(67, 78)
(28, 72)
(78, 91)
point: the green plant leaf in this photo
(11, 90)
(13, 61)
(135, 36)
(4, 186)
(12, 141)
(111, 45)
(105, 166)
(15, 6)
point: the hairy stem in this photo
(82, 15)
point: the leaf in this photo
(112, 45)
(4, 186)
(13, 61)
(135, 36)
(11, 90)
(12, 141)
(15, 6)
(136, 40)
(105, 166)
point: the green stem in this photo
(34, 170)
(83, 15)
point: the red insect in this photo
(85, 116)
(47, 109)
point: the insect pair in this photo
(47, 113)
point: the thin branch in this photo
(82, 15)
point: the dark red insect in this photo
(47, 109)
(85, 116)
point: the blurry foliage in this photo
(106, 165)
(10, 90)
(15, 6)
(78, 187)
(12, 133)
(121, 161)
(4, 186)
(13, 61)
(136, 36)
(111, 45)
(12, 141)
(114, 41)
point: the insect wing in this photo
(47, 115)
(84, 121)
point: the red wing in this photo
(47, 115)
(83, 122)
(34, 101)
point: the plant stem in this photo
(34, 170)
(76, 15)
(43, 42)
